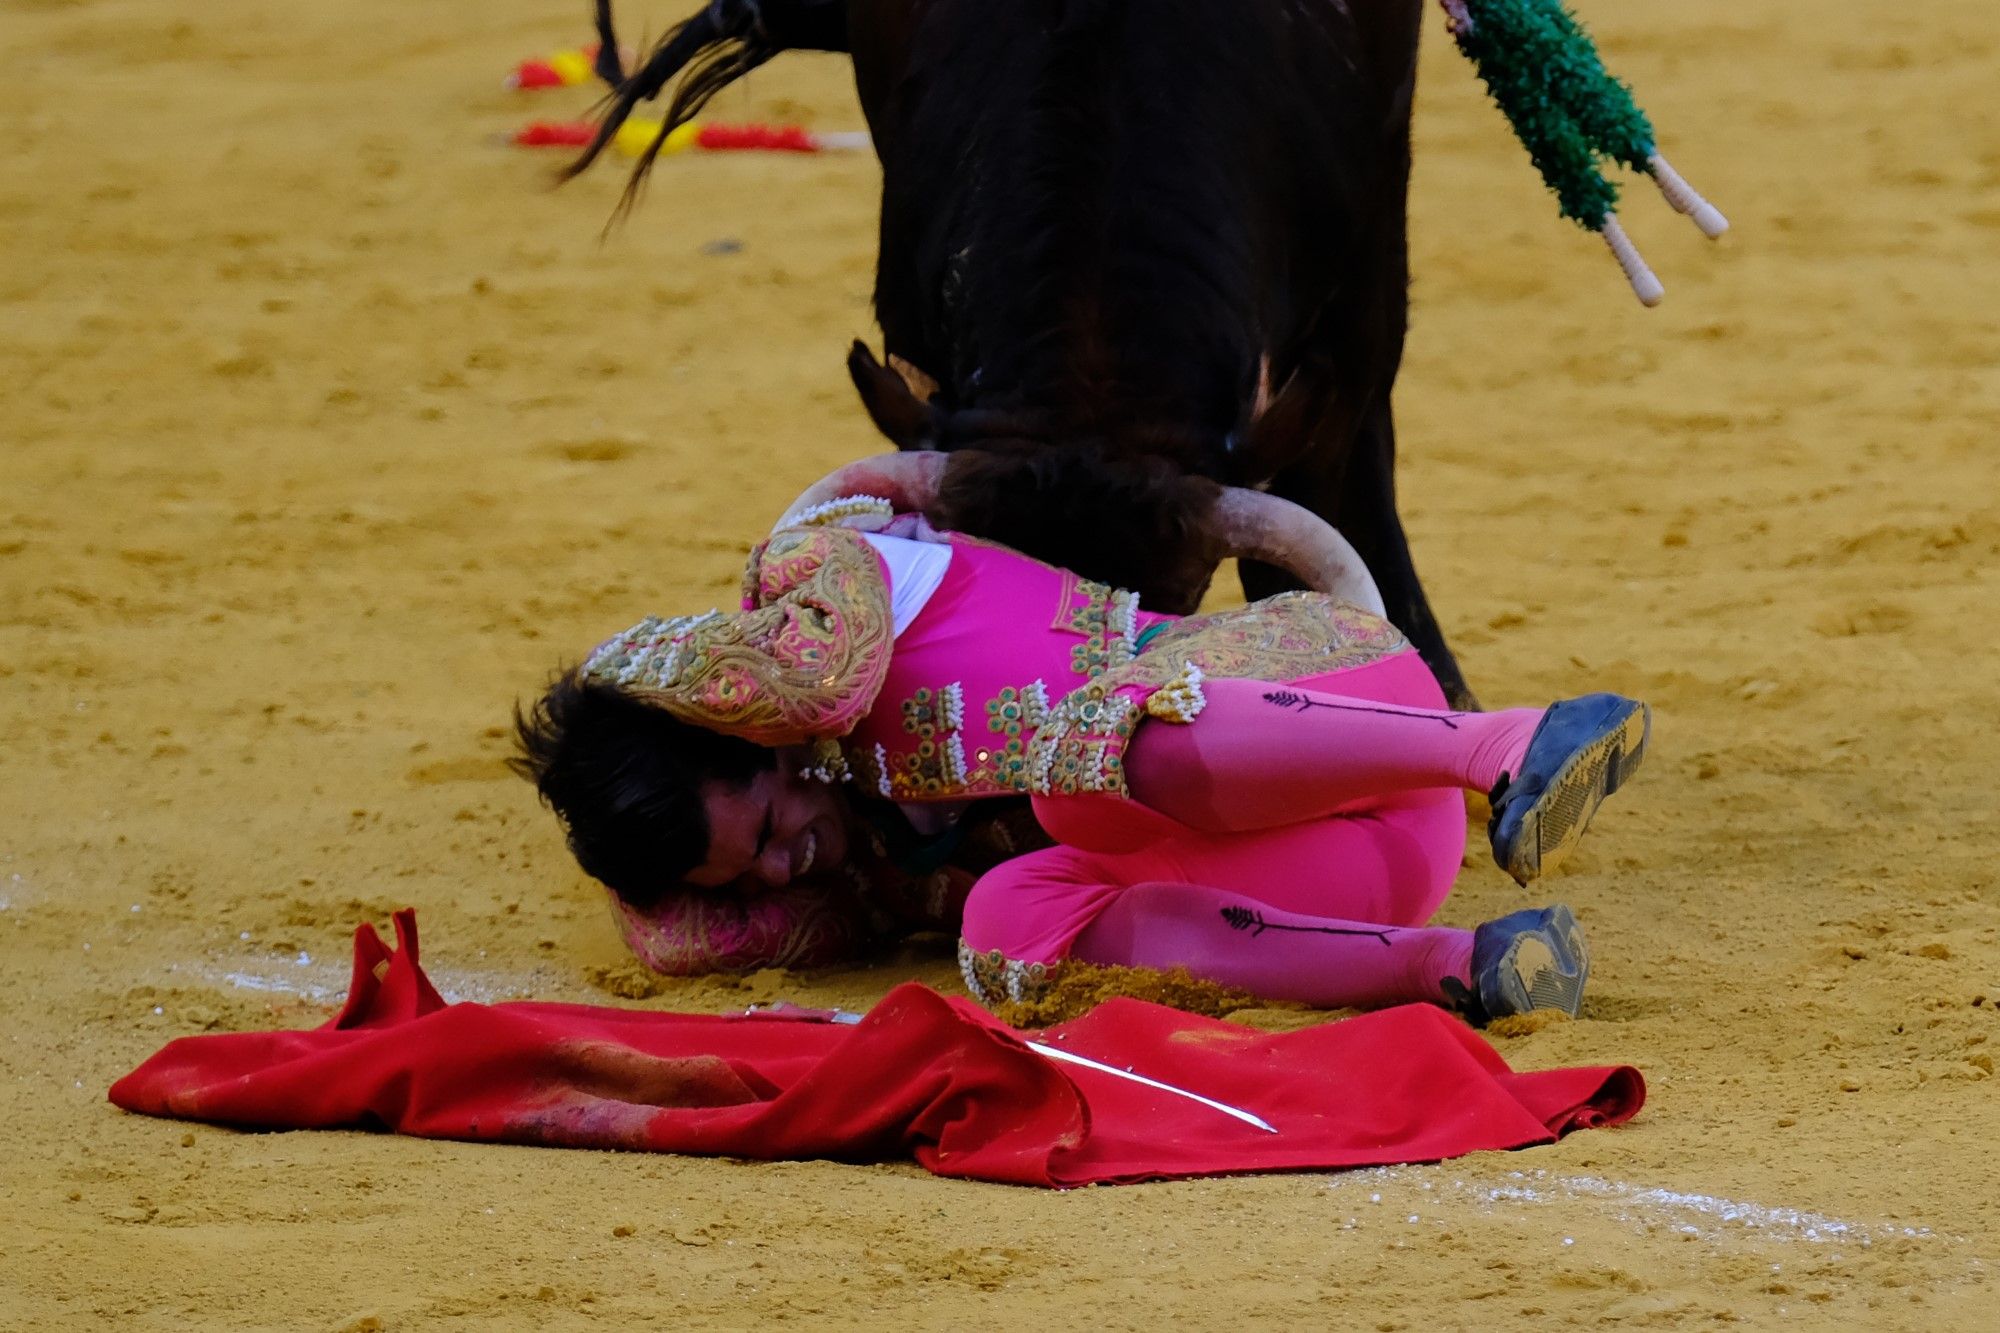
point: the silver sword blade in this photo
(849, 1017)
(1071, 1057)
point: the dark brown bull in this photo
(1129, 249)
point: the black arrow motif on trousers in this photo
(1252, 920)
(1301, 703)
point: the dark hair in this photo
(625, 780)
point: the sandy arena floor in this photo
(326, 428)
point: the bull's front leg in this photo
(1354, 488)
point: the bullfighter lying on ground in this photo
(1270, 797)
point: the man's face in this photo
(771, 831)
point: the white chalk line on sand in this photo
(15, 890)
(1647, 1207)
(324, 984)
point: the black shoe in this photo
(1583, 750)
(1533, 959)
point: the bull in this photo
(1131, 254)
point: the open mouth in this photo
(806, 859)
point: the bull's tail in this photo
(715, 48)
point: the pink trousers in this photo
(1323, 907)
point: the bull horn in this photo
(908, 481)
(1254, 526)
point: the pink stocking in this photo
(1390, 865)
(1261, 755)
(1238, 941)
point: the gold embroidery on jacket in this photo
(806, 662)
(993, 977)
(1288, 637)
(1106, 617)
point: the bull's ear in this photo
(1280, 430)
(909, 421)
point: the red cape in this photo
(921, 1076)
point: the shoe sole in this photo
(1546, 968)
(1554, 824)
